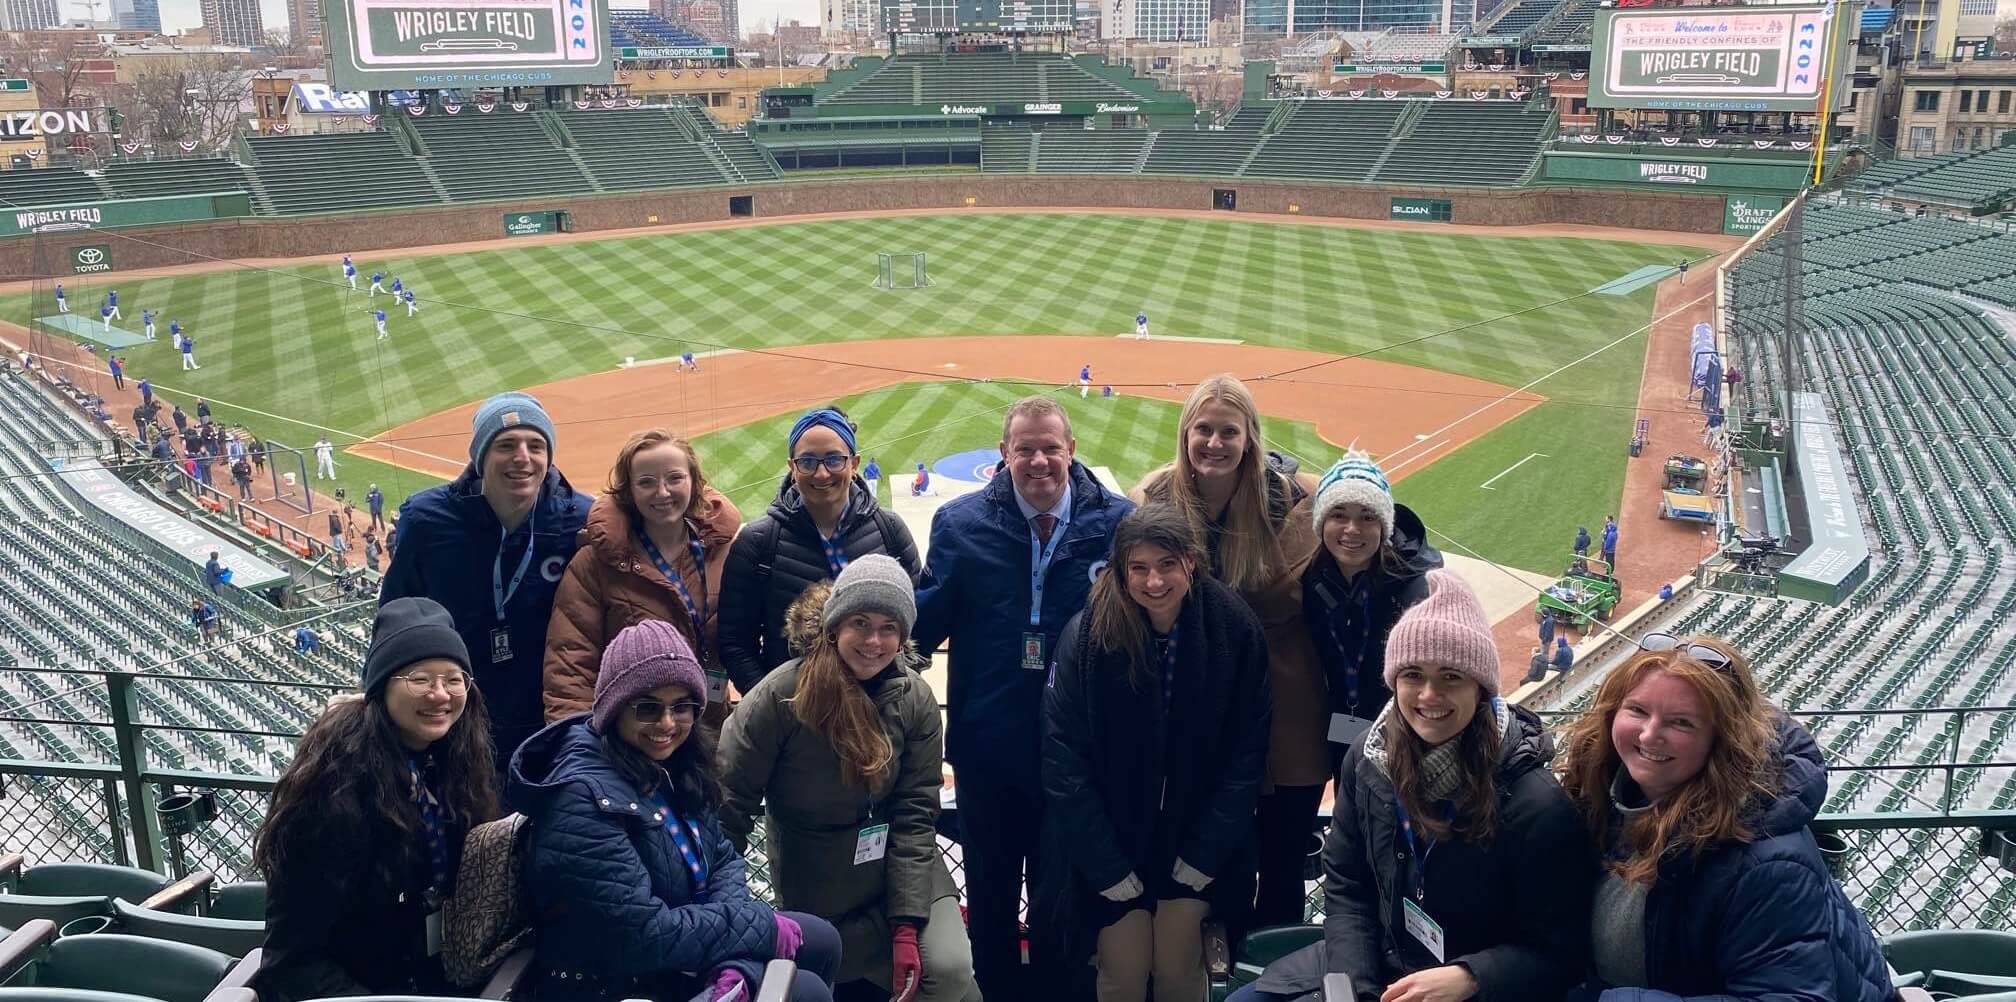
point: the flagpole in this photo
(1826, 95)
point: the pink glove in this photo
(908, 963)
(789, 936)
(725, 984)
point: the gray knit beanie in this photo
(507, 410)
(874, 583)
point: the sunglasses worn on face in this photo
(833, 461)
(1657, 642)
(650, 711)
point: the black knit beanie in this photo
(409, 630)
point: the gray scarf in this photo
(1440, 771)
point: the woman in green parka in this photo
(840, 750)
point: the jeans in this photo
(818, 958)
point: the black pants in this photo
(999, 830)
(1285, 823)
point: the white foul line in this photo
(1486, 485)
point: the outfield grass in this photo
(294, 344)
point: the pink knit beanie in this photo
(644, 656)
(1447, 629)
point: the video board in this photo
(1759, 58)
(423, 44)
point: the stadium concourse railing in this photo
(1939, 852)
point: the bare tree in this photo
(198, 100)
(2005, 35)
(56, 61)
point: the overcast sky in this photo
(181, 14)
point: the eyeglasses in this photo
(1657, 642)
(650, 711)
(420, 684)
(832, 461)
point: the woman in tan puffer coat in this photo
(657, 515)
(840, 752)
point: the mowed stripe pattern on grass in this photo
(294, 342)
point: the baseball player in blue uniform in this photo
(106, 313)
(112, 300)
(412, 307)
(1141, 326)
(62, 301)
(1084, 380)
(350, 273)
(377, 283)
(379, 315)
(147, 322)
(188, 346)
(398, 288)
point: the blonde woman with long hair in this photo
(1699, 793)
(839, 751)
(1250, 511)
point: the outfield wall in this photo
(292, 236)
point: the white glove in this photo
(1126, 890)
(1189, 876)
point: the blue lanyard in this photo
(685, 838)
(836, 558)
(695, 612)
(1352, 659)
(1168, 670)
(1039, 565)
(1419, 857)
(500, 596)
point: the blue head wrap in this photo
(824, 417)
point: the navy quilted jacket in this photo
(615, 907)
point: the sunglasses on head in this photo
(1660, 642)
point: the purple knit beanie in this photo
(649, 655)
(1447, 629)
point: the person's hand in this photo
(1189, 876)
(908, 964)
(1449, 983)
(1126, 890)
(789, 936)
(725, 983)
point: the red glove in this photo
(789, 936)
(725, 984)
(909, 965)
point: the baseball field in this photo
(1485, 367)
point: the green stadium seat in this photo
(130, 965)
(1961, 952)
(1265, 946)
(243, 901)
(231, 937)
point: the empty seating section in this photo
(1394, 47)
(738, 156)
(160, 178)
(1974, 180)
(643, 28)
(1003, 77)
(1332, 140)
(53, 184)
(638, 149)
(76, 593)
(340, 172)
(1575, 25)
(1458, 143)
(1520, 16)
(1089, 150)
(1218, 152)
(498, 156)
(1923, 388)
(1008, 148)
(1889, 172)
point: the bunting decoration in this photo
(583, 105)
(416, 110)
(1802, 146)
(1762, 144)
(635, 102)
(520, 105)
(1497, 67)
(1323, 93)
(1705, 143)
(675, 74)
(452, 109)
(130, 148)
(651, 75)
(1520, 95)
(1554, 75)
(1479, 95)
(1443, 95)
(279, 128)
(608, 102)
(486, 107)
(1356, 94)
(370, 119)
(1669, 140)
(1585, 138)
(1389, 93)
(723, 74)
(1579, 75)
(188, 146)
(37, 154)
(1614, 140)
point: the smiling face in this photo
(514, 467)
(1436, 703)
(1158, 581)
(661, 484)
(1038, 452)
(1662, 733)
(867, 642)
(823, 486)
(1216, 439)
(659, 737)
(422, 718)
(1351, 535)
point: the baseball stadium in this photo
(1648, 354)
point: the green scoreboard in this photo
(1764, 58)
(420, 44)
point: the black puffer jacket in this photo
(775, 558)
(1515, 911)
(1349, 619)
